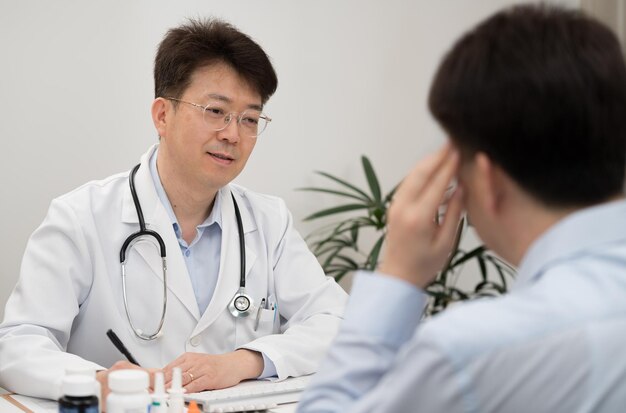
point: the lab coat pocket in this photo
(248, 329)
(266, 321)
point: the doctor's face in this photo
(190, 146)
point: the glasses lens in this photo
(252, 123)
(214, 115)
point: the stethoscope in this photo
(241, 304)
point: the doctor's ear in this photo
(159, 115)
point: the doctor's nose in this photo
(231, 131)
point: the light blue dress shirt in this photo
(202, 256)
(555, 343)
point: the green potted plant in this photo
(341, 247)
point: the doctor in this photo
(211, 83)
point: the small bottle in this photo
(176, 391)
(85, 371)
(129, 392)
(78, 395)
(159, 397)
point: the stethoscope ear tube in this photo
(142, 224)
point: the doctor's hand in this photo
(417, 247)
(103, 377)
(215, 371)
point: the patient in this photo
(534, 103)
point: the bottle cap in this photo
(77, 386)
(177, 378)
(193, 407)
(159, 395)
(176, 388)
(128, 381)
(80, 370)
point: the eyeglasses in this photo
(251, 122)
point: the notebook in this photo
(251, 395)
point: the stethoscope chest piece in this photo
(241, 304)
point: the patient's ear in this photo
(491, 183)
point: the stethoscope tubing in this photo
(134, 237)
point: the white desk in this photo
(33, 405)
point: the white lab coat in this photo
(70, 289)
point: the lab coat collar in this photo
(157, 219)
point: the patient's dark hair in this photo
(209, 41)
(542, 91)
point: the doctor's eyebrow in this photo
(226, 99)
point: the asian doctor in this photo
(189, 270)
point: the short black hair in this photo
(542, 91)
(204, 42)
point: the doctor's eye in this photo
(214, 111)
(250, 119)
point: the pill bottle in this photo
(129, 392)
(78, 395)
(81, 370)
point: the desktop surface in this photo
(281, 395)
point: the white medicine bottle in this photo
(78, 395)
(129, 392)
(84, 371)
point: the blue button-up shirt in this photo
(555, 343)
(202, 256)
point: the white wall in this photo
(76, 86)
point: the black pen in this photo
(120, 346)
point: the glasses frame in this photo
(228, 117)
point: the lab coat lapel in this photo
(157, 220)
(229, 270)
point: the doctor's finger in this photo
(168, 371)
(124, 365)
(183, 359)
(151, 372)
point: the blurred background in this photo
(76, 82)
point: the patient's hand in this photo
(417, 246)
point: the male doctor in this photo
(211, 83)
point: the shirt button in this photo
(187, 253)
(195, 341)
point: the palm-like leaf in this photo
(372, 180)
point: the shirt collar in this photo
(215, 217)
(578, 233)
